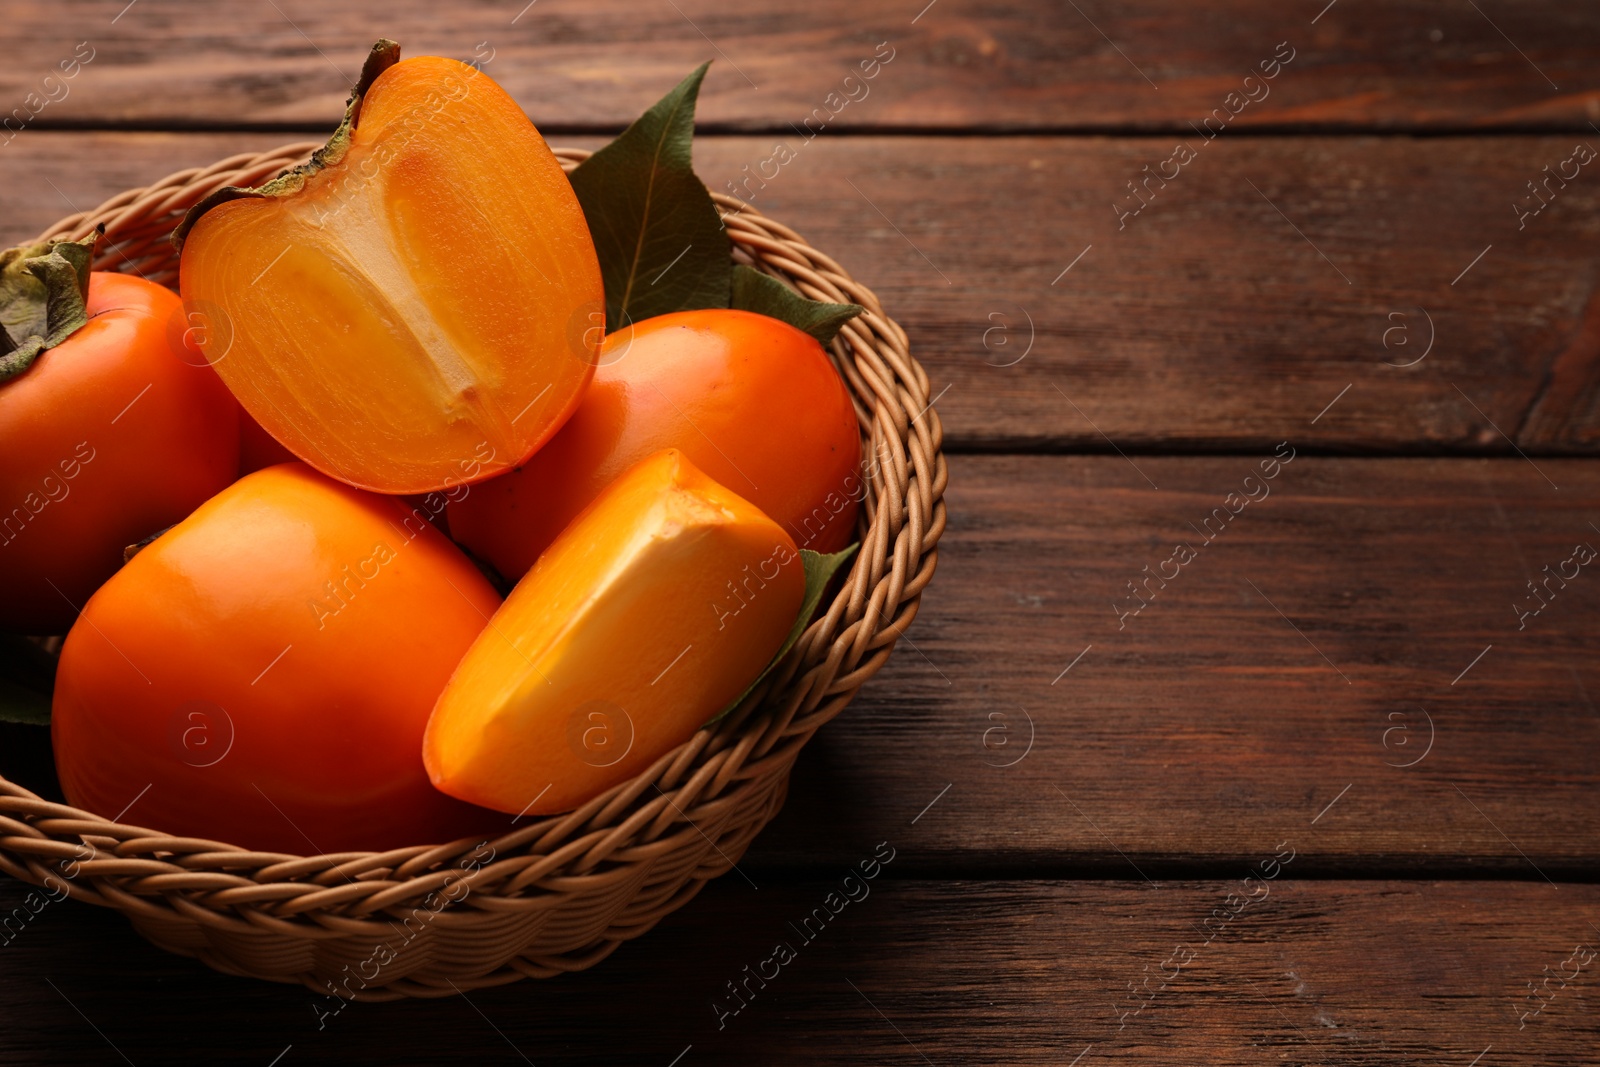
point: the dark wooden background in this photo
(1340, 675)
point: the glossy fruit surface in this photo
(752, 401)
(267, 668)
(117, 432)
(654, 610)
(415, 308)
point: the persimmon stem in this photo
(384, 54)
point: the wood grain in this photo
(957, 64)
(1221, 317)
(1566, 411)
(937, 972)
(1274, 689)
(1210, 726)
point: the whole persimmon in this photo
(752, 401)
(112, 427)
(262, 673)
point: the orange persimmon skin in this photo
(419, 313)
(267, 668)
(652, 612)
(117, 432)
(752, 401)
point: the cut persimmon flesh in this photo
(647, 616)
(417, 307)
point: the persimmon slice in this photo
(414, 307)
(652, 612)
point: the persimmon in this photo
(653, 611)
(752, 401)
(111, 427)
(420, 304)
(266, 668)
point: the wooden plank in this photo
(1221, 316)
(908, 973)
(1275, 689)
(1152, 64)
(1208, 727)
(1566, 411)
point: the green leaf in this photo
(766, 295)
(819, 571)
(27, 677)
(661, 243)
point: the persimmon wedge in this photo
(653, 611)
(417, 306)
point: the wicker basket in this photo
(557, 894)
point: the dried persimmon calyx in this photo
(44, 293)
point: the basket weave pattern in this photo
(558, 894)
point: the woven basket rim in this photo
(153, 875)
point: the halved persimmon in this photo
(419, 305)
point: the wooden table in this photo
(1328, 796)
